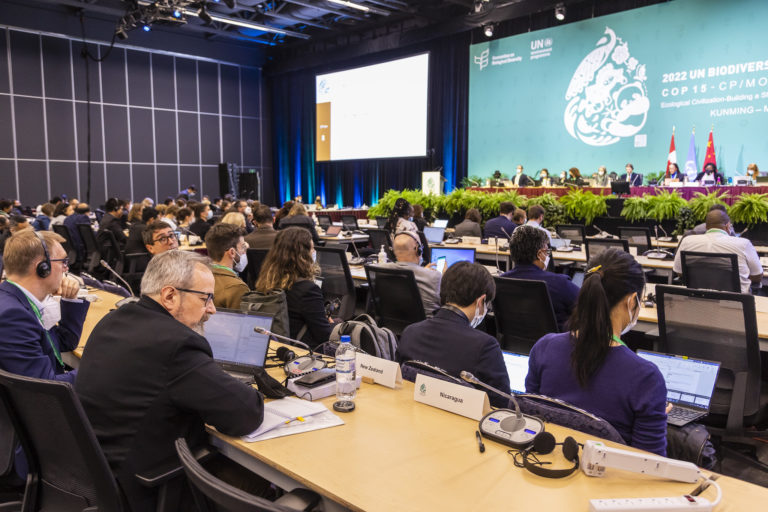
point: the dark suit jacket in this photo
(144, 380)
(306, 306)
(635, 180)
(200, 227)
(524, 181)
(447, 341)
(261, 238)
(135, 240)
(562, 291)
(71, 223)
(719, 179)
(23, 344)
(494, 227)
(115, 225)
(302, 221)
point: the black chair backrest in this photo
(256, 259)
(324, 220)
(337, 279)
(639, 237)
(395, 296)
(426, 251)
(381, 222)
(565, 414)
(64, 456)
(69, 244)
(523, 312)
(110, 250)
(221, 494)
(89, 239)
(593, 246)
(349, 222)
(717, 326)
(7, 441)
(576, 233)
(379, 237)
(711, 271)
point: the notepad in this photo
(284, 411)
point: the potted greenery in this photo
(700, 204)
(584, 206)
(554, 211)
(750, 209)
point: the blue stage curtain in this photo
(358, 182)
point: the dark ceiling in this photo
(299, 33)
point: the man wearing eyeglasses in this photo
(35, 327)
(147, 375)
(159, 237)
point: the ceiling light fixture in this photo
(560, 12)
(488, 30)
(352, 5)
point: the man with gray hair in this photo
(147, 376)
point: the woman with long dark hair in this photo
(400, 218)
(290, 266)
(592, 368)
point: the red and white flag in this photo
(672, 158)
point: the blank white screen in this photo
(377, 111)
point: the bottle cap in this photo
(346, 339)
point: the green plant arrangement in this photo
(665, 205)
(635, 209)
(387, 202)
(750, 209)
(586, 206)
(554, 211)
(686, 221)
(701, 203)
(472, 181)
(489, 203)
(654, 177)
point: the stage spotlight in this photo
(560, 12)
(204, 16)
(488, 30)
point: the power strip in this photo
(651, 504)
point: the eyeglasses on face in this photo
(165, 238)
(208, 296)
(64, 261)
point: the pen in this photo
(480, 444)
(299, 418)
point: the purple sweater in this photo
(627, 391)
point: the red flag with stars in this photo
(710, 158)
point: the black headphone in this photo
(285, 354)
(419, 248)
(543, 444)
(43, 268)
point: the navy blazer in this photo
(495, 225)
(25, 348)
(562, 292)
(449, 342)
(635, 180)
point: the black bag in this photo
(273, 303)
(691, 443)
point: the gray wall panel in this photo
(139, 78)
(168, 180)
(116, 133)
(165, 137)
(57, 68)
(97, 153)
(190, 175)
(61, 137)
(208, 77)
(6, 128)
(230, 91)
(7, 180)
(251, 79)
(79, 67)
(30, 137)
(186, 84)
(231, 139)
(144, 182)
(119, 181)
(189, 147)
(64, 179)
(162, 75)
(33, 176)
(4, 84)
(113, 77)
(209, 143)
(141, 136)
(26, 64)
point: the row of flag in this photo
(690, 169)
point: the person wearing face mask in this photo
(227, 250)
(718, 239)
(450, 339)
(291, 266)
(148, 376)
(753, 172)
(529, 250)
(401, 218)
(710, 176)
(520, 179)
(407, 249)
(591, 367)
(546, 181)
(202, 223)
(601, 180)
(563, 178)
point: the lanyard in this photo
(40, 319)
(715, 230)
(216, 265)
(618, 340)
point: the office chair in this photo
(11, 485)
(110, 250)
(396, 298)
(92, 247)
(711, 271)
(256, 259)
(134, 265)
(523, 312)
(639, 237)
(411, 368)
(349, 222)
(381, 222)
(719, 326)
(576, 233)
(567, 415)
(379, 237)
(210, 493)
(337, 279)
(324, 221)
(69, 244)
(595, 246)
(426, 251)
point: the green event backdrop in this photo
(609, 90)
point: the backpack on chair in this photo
(272, 303)
(367, 336)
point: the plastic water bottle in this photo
(382, 255)
(345, 371)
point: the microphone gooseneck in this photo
(118, 276)
(474, 380)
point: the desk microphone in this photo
(658, 253)
(519, 421)
(297, 366)
(604, 234)
(358, 260)
(496, 239)
(112, 271)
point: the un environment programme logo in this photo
(423, 389)
(607, 97)
(482, 59)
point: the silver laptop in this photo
(690, 384)
(236, 348)
(440, 223)
(434, 235)
(517, 369)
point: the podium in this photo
(432, 182)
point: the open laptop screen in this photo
(452, 255)
(440, 223)
(517, 368)
(232, 339)
(434, 235)
(689, 381)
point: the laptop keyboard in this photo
(686, 415)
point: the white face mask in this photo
(241, 263)
(544, 176)
(601, 173)
(519, 171)
(210, 214)
(546, 261)
(632, 318)
(51, 313)
(314, 256)
(478, 318)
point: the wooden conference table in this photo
(393, 453)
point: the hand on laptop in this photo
(669, 407)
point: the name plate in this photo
(451, 397)
(381, 371)
(471, 240)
